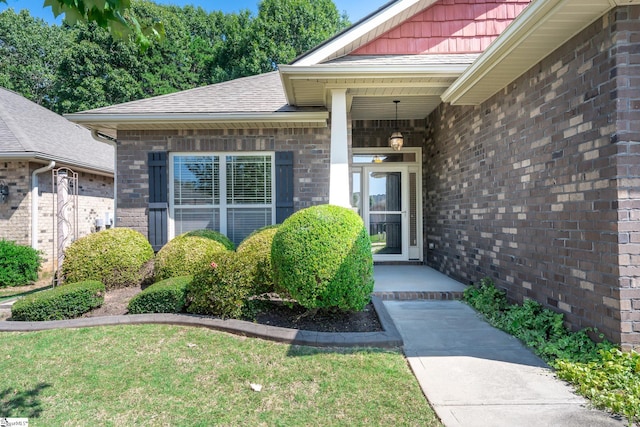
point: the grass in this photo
(171, 375)
(18, 291)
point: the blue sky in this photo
(356, 9)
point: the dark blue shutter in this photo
(284, 185)
(158, 194)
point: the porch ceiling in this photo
(371, 89)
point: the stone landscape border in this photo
(389, 337)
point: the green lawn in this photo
(171, 375)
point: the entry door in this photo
(385, 212)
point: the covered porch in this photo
(414, 282)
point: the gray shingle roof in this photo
(28, 129)
(256, 94)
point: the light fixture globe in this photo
(396, 139)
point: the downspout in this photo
(35, 197)
(114, 143)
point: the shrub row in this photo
(19, 265)
(320, 256)
(62, 302)
(166, 296)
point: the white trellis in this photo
(65, 214)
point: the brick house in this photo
(520, 157)
(35, 143)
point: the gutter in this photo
(164, 118)
(114, 143)
(35, 197)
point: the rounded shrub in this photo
(213, 235)
(115, 257)
(188, 253)
(224, 288)
(62, 302)
(19, 265)
(257, 249)
(166, 296)
(322, 257)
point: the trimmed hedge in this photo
(62, 302)
(166, 296)
(19, 265)
(115, 257)
(188, 253)
(257, 248)
(213, 235)
(322, 257)
(224, 288)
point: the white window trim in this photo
(223, 186)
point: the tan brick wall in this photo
(539, 186)
(95, 197)
(311, 161)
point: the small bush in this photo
(19, 265)
(257, 248)
(224, 288)
(166, 296)
(188, 253)
(115, 257)
(63, 302)
(321, 256)
(213, 235)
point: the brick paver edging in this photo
(388, 338)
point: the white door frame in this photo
(412, 247)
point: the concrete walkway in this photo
(473, 374)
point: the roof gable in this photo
(29, 130)
(448, 26)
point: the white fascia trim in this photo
(355, 33)
(41, 157)
(528, 21)
(382, 71)
(129, 118)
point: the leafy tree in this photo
(80, 67)
(112, 15)
(288, 28)
(30, 54)
(97, 72)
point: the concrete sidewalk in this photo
(476, 375)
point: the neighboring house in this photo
(521, 156)
(35, 143)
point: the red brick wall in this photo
(539, 187)
(449, 26)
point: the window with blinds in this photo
(230, 193)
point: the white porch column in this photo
(339, 167)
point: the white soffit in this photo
(369, 28)
(541, 28)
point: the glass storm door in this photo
(385, 212)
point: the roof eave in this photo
(293, 72)
(44, 157)
(108, 121)
(472, 86)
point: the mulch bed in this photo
(273, 313)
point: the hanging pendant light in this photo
(396, 139)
